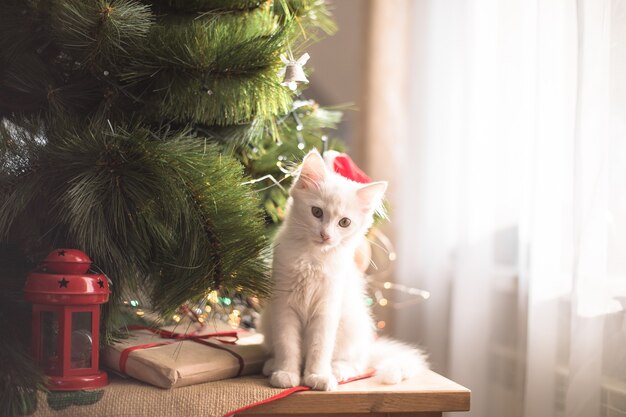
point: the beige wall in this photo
(338, 64)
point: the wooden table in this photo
(427, 395)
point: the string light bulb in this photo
(213, 297)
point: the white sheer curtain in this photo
(510, 201)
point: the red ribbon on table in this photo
(177, 337)
(290, 391)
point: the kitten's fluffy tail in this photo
(395, 361)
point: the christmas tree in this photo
(149, 134)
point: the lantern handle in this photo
(98, 269)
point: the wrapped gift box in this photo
(169, 359)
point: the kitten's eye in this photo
(317, 212)
(345, 222)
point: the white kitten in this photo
(317, 325)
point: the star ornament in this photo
(101, 283)
(63, 283)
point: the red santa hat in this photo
(343, 165)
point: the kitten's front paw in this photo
(284, 379)
(321, 382)
(344, 370)
(268, 367)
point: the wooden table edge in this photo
(383, 399)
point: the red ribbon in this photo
(166, 334)
(198, 338)
(290, 391)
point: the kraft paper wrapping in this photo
(185, 362)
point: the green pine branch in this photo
(213, 70)
(167, 214)
(20, 379)
(100, 33)
(200, 6)
(310, 15)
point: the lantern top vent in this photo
(66, 261)
(63, 278)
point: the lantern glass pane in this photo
(50, 358)
(82, 342)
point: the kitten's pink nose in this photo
(324, 236)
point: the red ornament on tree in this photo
(66, 320)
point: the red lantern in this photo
(66, 320)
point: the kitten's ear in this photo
(312, 172)
(371, 195)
